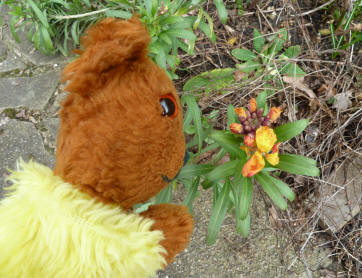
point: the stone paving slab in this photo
(3, 49)
(266, 253)
(12, 62)
(31, 92)
(20, 139)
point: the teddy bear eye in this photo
(169, 106)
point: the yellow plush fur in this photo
(80, 236)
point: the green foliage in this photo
(267, 59)
(343, 22)
(52, 25)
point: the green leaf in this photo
(39, 14)
(258, 41)
(261, 99)
(165, 196)
(292, 51)
(245, 197)
(196, 116)
(278, 42)
(290, 130)
(118, 14)
(166, 38)
(243, 54)
(207, 29)
(160, 56)
(13, 21)
(221, 10)
(243, 226)
(217, 79)
(218, 213)
(297, 164)
(232, 117)
(283, 188)
(74, 32)
(292, 69)
(193, 170)
(223, 171)
(248, 66)
(182, 33)
(191, 194)
(48, 44)
(228, 141)
(271, 190)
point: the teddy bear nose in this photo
(167, 179)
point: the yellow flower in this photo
(265, 138)
(274, 113)
(254, 165)
(265, 144)
(272, 158)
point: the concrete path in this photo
(29, 101)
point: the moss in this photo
(9, 112)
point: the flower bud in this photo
(236, 128)
(252, 105)
(249, 140)
(253, 115)
(260, 112)
(267, 122)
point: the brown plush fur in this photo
(114, 143)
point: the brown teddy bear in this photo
(120, 143)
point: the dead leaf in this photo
(298, 82)
(239, 75)
(343, 101)
(274, 219)
(229, 29)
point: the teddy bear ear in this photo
(106, 45)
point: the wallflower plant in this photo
(251, 142)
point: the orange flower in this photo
(265, 138)
(236, 128)
(240, 111)
(254, 165)
(252, 105)
(249, 140)
(274, 113)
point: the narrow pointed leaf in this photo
(297, 164)
(271, 189)
(283, 188)
(232, 117)
(193, 170)
(245, 197)
(290, 130)
(222, 171)
(165, 196)
(196, 117)
(218, 213)
(191, 194)
(243, 226)
(229, 142)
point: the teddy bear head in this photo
(120, 136)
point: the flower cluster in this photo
(259, 137)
